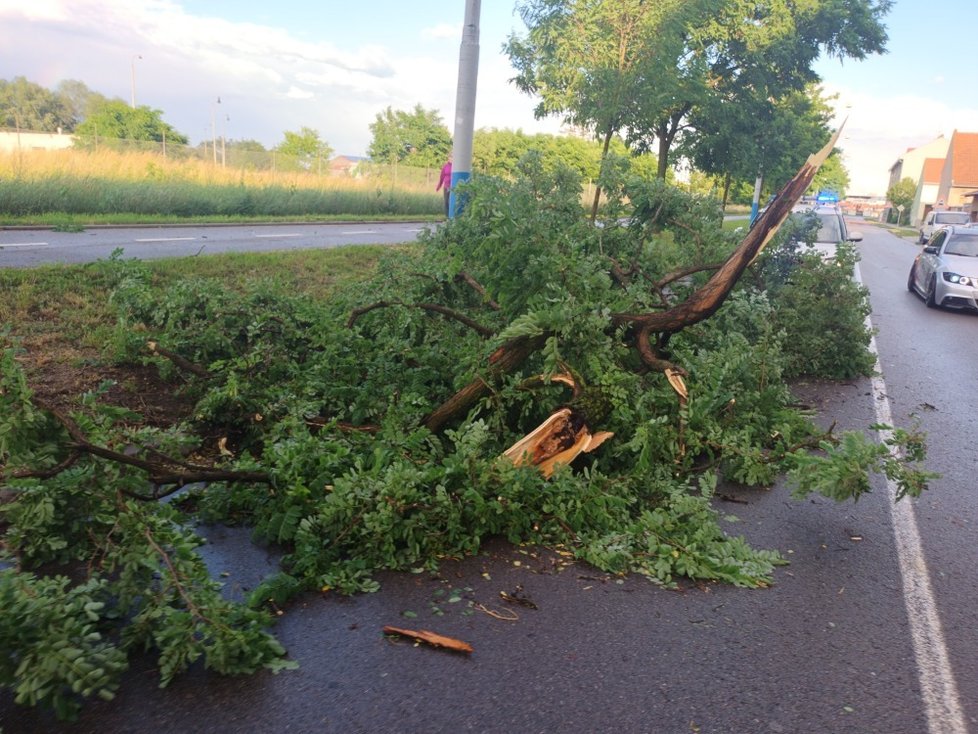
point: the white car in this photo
(937, 219)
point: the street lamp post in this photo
(132, 78)
(214, 128)
(224, 135)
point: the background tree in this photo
(596, 63)
(416, 138)
(902, 193)
(643, 68)
(25, 105)
(833, 175)
(115, 119)
(760, 51)
(306, 147)
(742, 137)
(78, 98)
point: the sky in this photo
(334, 66)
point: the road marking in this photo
(165, 239)
(22, 244)
(275, 236)
(361, 231)
(937, 684)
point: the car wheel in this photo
(911, 277)
(931, 298)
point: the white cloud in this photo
(442, 31)
(882, 127)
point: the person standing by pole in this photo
(445, 182)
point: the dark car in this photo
(945, 273)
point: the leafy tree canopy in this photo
(417, 138)
(833, 175)
(116, 119)
(25, 105)
(305, 146)
(643, 68)
(903, 193)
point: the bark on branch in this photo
(478, 288)
(705, 302)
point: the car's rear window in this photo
(952, 218)
(829, 230)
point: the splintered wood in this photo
(432, 638)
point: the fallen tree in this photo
(395, 424)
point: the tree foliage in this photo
(416, 138)
(903, 193)
(743, 137)
(368, 432)
(117, 120)
(25, 105)
(306, 147)
(644, 68)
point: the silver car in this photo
(945, 273)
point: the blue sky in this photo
(334, 66)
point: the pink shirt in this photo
(446, 177)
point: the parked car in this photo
(945, 273)
(937, 219)
(832, 229)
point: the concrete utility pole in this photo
(468, 76)
(132, 78)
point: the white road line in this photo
(361, 231)
(22, 244)
(937, 684)
(276, 236)
(165, 239)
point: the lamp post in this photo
(224, 135)
(132, 78)
(214, 128)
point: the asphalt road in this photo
(829, 648)
(21, 248)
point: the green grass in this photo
(66, 306)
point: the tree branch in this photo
(181, 362)
(166, 471)
(433, 307)
(478, 288)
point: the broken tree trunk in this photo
(702, 304)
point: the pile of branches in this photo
(520, 373)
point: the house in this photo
(20, 140)
(959, 176)
(345, 165)
(927, 187)
(911, 164)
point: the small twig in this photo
(187, 599)
(507, 615)
(478, 288)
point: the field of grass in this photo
(81, 187)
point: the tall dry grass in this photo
(107, 181)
